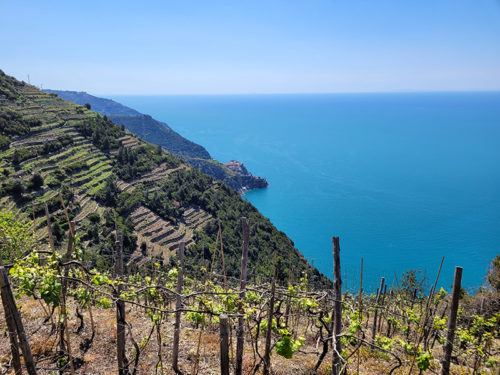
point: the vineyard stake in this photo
(361, 292)
(178, 307)
(11, 306)
(11, 326)
(49, 229)
(452, 322)
(224, 345)
(379, 326)
(375, 314)
(337, 313)
(245, 224)
(423, 334)
(360, 309)
(71, 225)
(267, 352)
(222, 254)
(120, 311)
(289, 298)
(64, 325)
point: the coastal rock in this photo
(237, 167)
(246, 180)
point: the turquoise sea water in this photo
(403, 179)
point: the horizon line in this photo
(298, 93)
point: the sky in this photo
(241, 47)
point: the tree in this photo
(17, 189)
(494, 274)
(105, 144)
(36, 181)
(411, 284)
(159, 150)
(57, 231)
(4, 143)
(16, 158)
(87, 105)
(110, 192)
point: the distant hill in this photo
(109, 178)
(143, 125)
(160, 133)
(103, 106)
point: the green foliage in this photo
(23, 153)
(412, 283)
(15, 188)
(494, 274)
(286, 346)
(37, 280)
(384, 342)
(194, 318)
(109, 194)
(105, 303)
(36, 181)
(8, 87)
(4, 143)
(101, 132)
(131, 163)
(14, 124)
(57, 145)
(424, 360)
(18, 234)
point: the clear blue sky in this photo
(289, 46)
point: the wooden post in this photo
(222, 254)
(360, 309)
(361, 292)
(120, 311)
(337, 309)
(379, 325)
(11, 326)
(288, 298)
(245, 224)
(452, 322)
(11, 306)
(49, 228)
(375, 314)
(224, 345)
(267, 352)
(178, 306)
(63, 326)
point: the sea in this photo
(403, 179)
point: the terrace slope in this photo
(110, 178)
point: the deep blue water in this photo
(403, 179)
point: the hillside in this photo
(108, 176)
(160, 133)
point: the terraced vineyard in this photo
(95, 167)
(109, 178)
